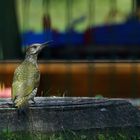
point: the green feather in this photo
(26, 79)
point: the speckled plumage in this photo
(27, 76)
(26, 79)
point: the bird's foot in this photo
(33, 101)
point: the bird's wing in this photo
(26, 79)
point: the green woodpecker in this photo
(27, 76)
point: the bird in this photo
(27, 77)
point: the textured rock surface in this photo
(69, 113)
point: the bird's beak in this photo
(46, 44)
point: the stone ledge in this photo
(51, 114)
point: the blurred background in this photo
(96, 47)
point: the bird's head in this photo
(34, 49)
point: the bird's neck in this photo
(31, 58)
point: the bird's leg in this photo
(33, 101)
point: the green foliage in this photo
(122, 137)
(101, 137)
(7, 134)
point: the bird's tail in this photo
(21, 102)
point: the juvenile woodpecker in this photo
(27, 76)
